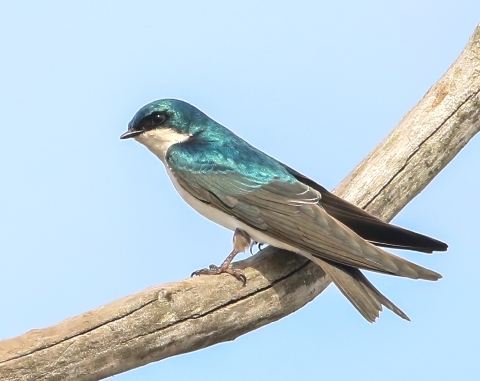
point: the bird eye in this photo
(151, 121)
(158, 118)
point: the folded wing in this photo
(290, 213)
(370, 227)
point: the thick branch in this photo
(195, 313)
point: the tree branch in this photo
(195, 313)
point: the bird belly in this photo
(230, 222)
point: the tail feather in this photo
(403, 267)
(358, 290)
(373, 291)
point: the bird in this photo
(262, 200)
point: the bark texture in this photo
(195, 313)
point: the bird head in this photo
(162, 123)
(162, 114)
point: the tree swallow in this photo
(234, 184)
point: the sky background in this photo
(86, 218)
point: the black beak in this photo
(130, 134)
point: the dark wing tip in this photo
(369, 227)
(441, 246)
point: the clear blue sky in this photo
(87, 218)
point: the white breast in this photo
(228, 221)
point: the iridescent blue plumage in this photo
(212, 148)
(185, 117)
(215, 150)
(240, 187)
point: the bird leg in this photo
(241, 241)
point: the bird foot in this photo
(241, 241)
(215, 270)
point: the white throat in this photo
(158, 141)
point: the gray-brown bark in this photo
(192, 314)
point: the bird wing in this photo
(368, 226)
(289, 211)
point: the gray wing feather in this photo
(290, 212)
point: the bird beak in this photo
(130, 134)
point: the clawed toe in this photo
(212, 269)
(215, 270)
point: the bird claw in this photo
(215, 270)
(260, 247)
